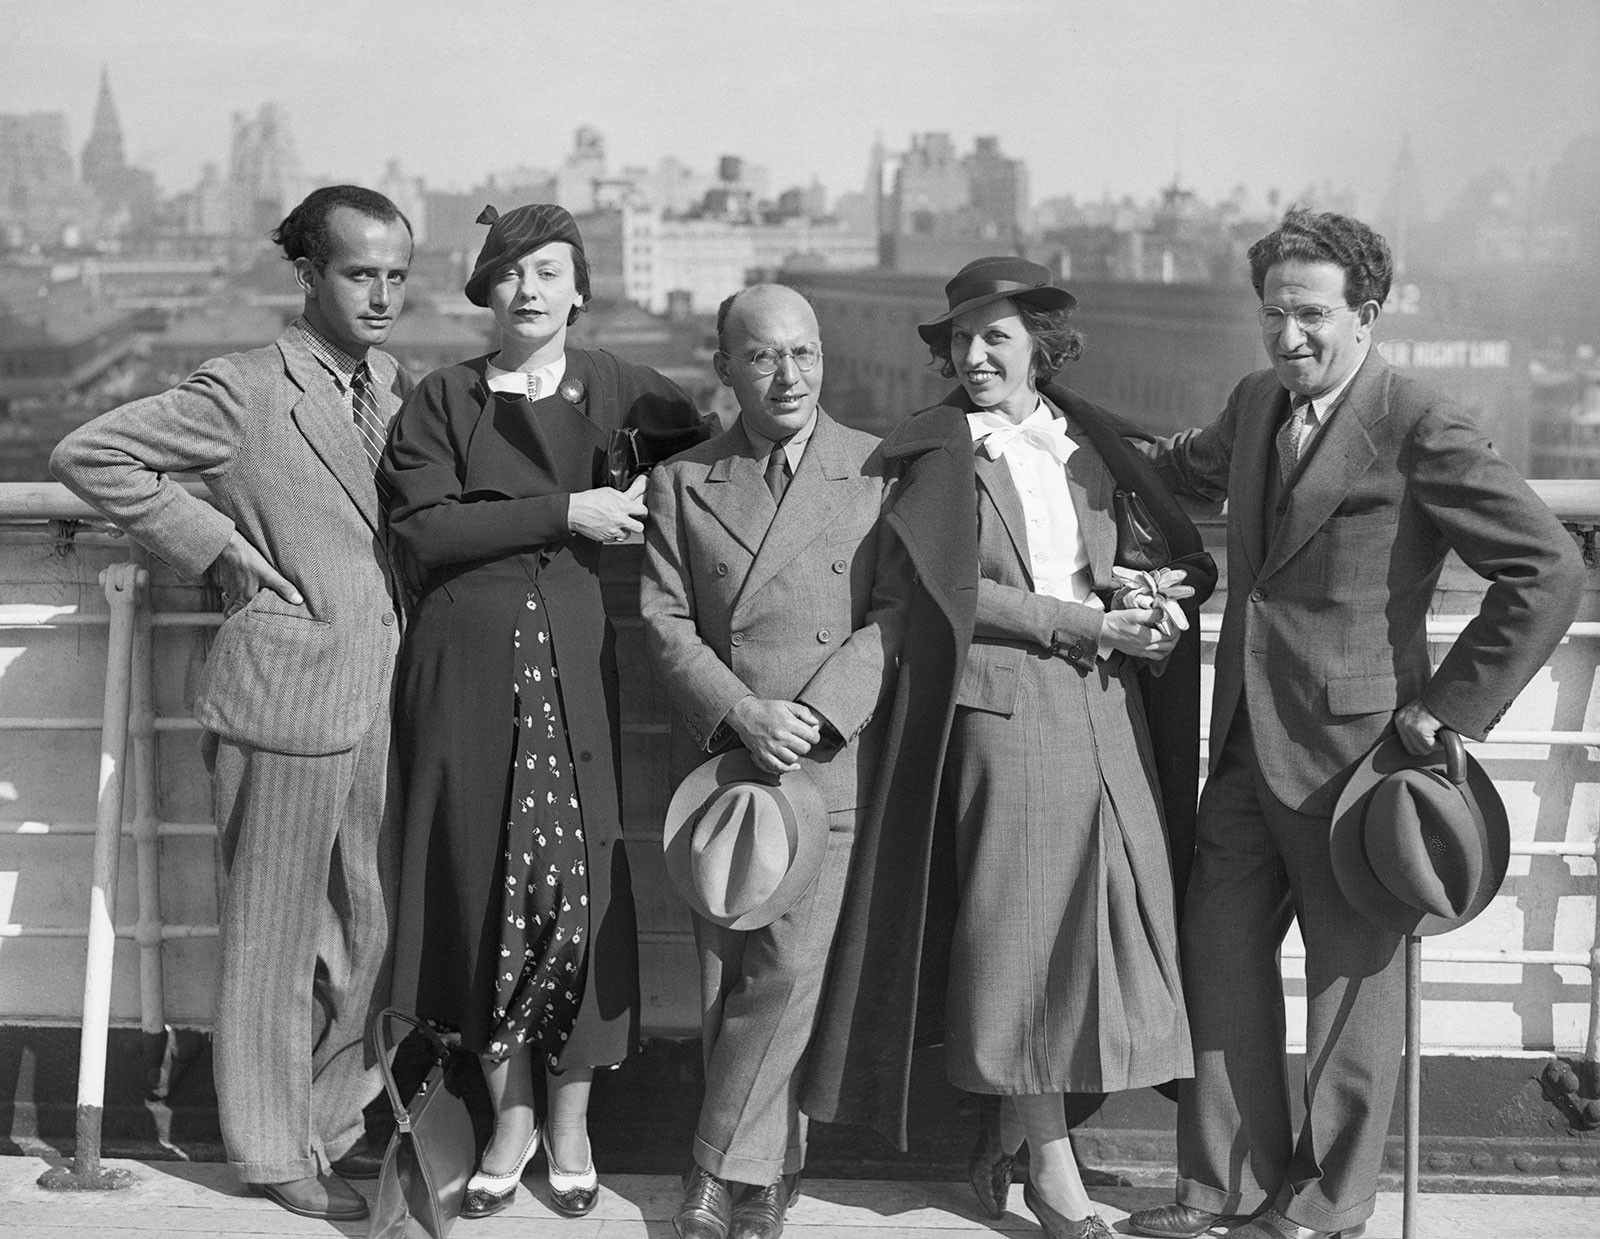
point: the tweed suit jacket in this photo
(271, 435)
(799, 605)
(1324, 635)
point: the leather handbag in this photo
(433, 1151)
(623, 461)
(1140, 542)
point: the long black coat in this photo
(886, 986)
(481, 484)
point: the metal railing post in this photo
(122, 583)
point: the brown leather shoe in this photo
(364, 1160)
(1176, 1221)
(325, 1197)
(1270, 1224)
(760, 1214)
(707, 1207)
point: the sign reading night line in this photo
(1448, 354)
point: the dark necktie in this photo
(777, 474)
(1289, 436)
(374, 434)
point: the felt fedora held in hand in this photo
(519, 231)
(990, 279)
(1419, 845)
(742, 845)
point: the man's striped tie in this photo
(374, 433)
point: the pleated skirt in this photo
(1064, 971)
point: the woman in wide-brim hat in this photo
(517, 923)
(1023, 752)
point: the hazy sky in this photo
(1094, 95)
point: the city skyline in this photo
(805, 89)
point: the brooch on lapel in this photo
(572, 391)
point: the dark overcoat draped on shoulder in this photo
(481, 483)
(886, 987)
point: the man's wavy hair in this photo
(304, 232)
(1055, 342)
(1324, 236)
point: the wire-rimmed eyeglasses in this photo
(766, 361)
(1309, 318)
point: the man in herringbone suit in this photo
(295, 701)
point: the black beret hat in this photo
(518, 232)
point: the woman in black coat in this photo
(517, 925)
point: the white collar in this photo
(517, 382)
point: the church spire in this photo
(103, 159)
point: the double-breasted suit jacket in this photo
(296, 701)
(1331, 576)
(740, 599)
(801, 602)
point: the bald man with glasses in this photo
(771, 607)
(1347, 483)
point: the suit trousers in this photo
(760, 992)
(311, 849)
(1259, 863)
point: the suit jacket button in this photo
(388, 619)
(839, 565)
(722, 569)
(586, 755)
(1258, 595)
(737, 639)
(824, 636)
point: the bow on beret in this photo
(518, 232)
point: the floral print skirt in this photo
(544, 924)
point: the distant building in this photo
(56, 336)
(1164, 355)
(264, 177)
(999, 189)
(41, 201)
(407, 193)
(127, 195)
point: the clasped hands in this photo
(1144, 619)
(777, 733)
(606, 514)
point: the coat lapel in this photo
(734, 491)
(822, 487)
(1345, 452)
(1090, 483)
(994, 481)
(324, 416)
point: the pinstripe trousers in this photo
(311, 848)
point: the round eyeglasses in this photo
(1309, 318)
(766, 361)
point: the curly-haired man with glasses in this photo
(1347, 483)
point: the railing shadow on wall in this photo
(1538, 934)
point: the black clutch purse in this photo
(623, 460)
(1140, 543)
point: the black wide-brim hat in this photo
(992, 279)
(1419, 845)
(518, 232)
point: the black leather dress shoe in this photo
(1175, 1221)
(1270, 1224)
(707, 1207)
(760, 1214)
(324, 1196)
(363, 1161)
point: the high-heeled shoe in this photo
(1058, 1225)
(487, 1194)
(573, 1195)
